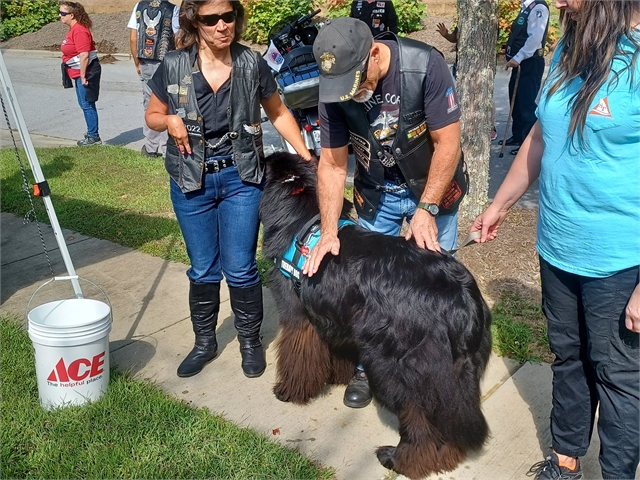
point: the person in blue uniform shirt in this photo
(380, 16)
(525, 49)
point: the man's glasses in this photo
(63, 14)
(214, 18)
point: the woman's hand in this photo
(488, 223)
(632, 312)
(177, 131)
(85, 82)
(442, 30)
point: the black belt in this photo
(217, 164)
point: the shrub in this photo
(410, 12)
(507, 12)
(263, 15)
(23, 16)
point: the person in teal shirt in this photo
(585, 150)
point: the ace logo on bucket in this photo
(78, 372)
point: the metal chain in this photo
(31, 214)
(224, 138)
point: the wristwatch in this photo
(432, 208)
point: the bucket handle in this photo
(71, 278)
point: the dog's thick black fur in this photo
(415, 318)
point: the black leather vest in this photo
(243, 112)
(412, 148)
(155, 34)
(518, 36)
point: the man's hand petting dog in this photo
(326, 243)
(424, 230)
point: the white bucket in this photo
(71, 342)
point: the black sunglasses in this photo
(363, 77)
(214, 18)
(63, 14)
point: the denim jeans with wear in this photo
(597, 364)
(88, 108)
(398, 202)
(220, 224)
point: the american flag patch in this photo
(451, 100)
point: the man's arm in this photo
(133, 45)
(392, 18)
(332, 173)
(446, 155)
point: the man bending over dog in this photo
(394, 99)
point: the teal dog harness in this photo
(290, 264)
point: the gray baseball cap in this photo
(341, 50)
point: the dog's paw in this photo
(280, 394)
(387, 457)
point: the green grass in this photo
(134, 431)
(519, 329)
(107, 192)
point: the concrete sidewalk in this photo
(152, 332)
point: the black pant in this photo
(524, 109)
(597, 364)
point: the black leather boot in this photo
(204, 302)
(246, 303)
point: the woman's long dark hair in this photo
(590, 42)
(79, 14)
(188, 34)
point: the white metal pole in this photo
(37, 172)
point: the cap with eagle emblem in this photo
(341, 50)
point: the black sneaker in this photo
(357, 393)
(89, 140)
(549, 469)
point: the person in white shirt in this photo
(525, 49)
(152, 25)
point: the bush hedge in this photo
(23, 16)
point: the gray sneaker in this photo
(549, 469)
(89, 140)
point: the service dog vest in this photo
(291, 262)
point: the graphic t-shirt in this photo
(77, 40)
(383, 108)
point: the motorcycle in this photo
(290, 57)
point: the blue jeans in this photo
(88, 108)
(597, 364)
(397, 203)
(220, 224)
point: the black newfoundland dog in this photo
(415, 319)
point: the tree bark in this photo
(478, 28)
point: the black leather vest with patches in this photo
(155, 33)
(243, 112)
(412, 148)
(518, 36)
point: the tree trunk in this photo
(478, 27)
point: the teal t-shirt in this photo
(589, 212)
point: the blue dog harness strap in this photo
(290, 264)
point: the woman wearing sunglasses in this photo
(207, 95)
(81, 65)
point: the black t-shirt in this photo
(383, 109)
(213, 105)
